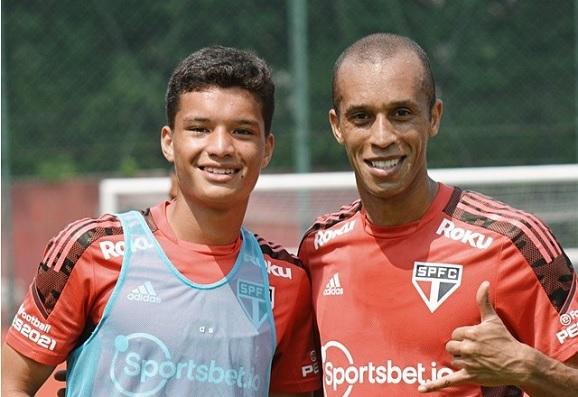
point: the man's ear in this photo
(334, 122)
(436, 117)
(167, 143)
(269, 149)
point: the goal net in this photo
(284, 205)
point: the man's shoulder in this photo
(486, 212)
(519, 229)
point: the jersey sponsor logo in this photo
(144, 293)
(322, 237)
(279, 271)
(474, 239)
(435, 282)
(33, 320)
(310, 369)
(570, 322)
(313, 368)
(254, 300)
(33, 329)
(333, 286)
(566, 318)
(341, 373)
(115, 250)
(131, 371)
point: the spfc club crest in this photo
(435, 282)
(254, 299)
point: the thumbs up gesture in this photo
(485, 354)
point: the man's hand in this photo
(486, 354)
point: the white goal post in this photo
(283, 205)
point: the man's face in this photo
(218, 146)
(384, 122)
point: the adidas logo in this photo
(144, 293)
(333, 287)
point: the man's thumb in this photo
(483, 299)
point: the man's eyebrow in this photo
(391, 105)
(404, 103)
(355, 108)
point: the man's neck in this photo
(401, 209)
(202, 225)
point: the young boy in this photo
(178, 299)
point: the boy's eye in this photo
(243, 131)
(198, 130)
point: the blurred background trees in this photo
(84, 82)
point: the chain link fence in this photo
(84, 82)
(83, 86)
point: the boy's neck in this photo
(208, 226)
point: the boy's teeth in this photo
(224, 171)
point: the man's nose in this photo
(383, 132)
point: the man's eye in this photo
(360, 118)
(402, 113)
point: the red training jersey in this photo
(387, 299)
(79, 270)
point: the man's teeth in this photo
(220, 171)
(385, 164)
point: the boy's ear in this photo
(269, 149)
(167, 143)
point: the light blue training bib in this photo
(163, 335)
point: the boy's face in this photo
(218, 146)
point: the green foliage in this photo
(87, 79)
(56, 168)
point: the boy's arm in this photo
(21, 376)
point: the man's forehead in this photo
(404, 60)
(392, 82)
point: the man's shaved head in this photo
(378, 47)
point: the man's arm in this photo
(549, 377)
(489, 355)
(21, 376)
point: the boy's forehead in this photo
(231, 103)
(218, 90)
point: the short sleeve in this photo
(295, 364)
(536, 298)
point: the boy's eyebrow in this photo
(247, 122)
(253, 123)
(195, 119)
